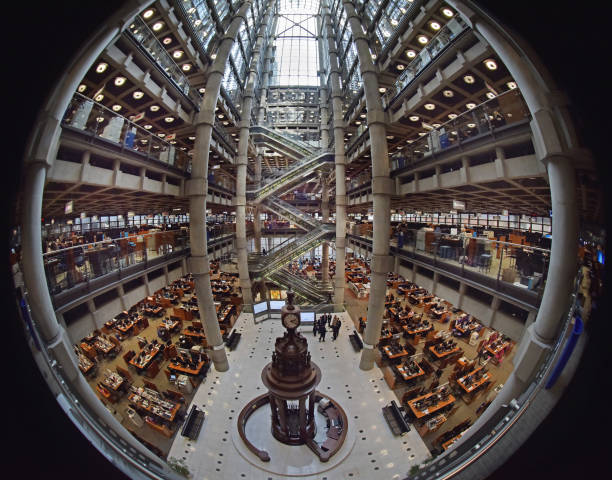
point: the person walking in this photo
(329, 319)
(336, 323)
(315, 327)
(322, 332)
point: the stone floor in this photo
(376, 453)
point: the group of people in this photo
(320, 326)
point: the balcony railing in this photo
(509, 266)
(69, 267)
(484, 119)
(143, 35)
(434, 47)
(85, 115)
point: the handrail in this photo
(127, 134)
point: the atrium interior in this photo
(412, 170)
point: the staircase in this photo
(271, 266)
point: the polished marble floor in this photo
(375, 454)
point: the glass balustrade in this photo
(505, 109)
(519, 265)
(443, 38)
(69, 267)
(141, 32)
(96, 120)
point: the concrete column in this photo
(464, 172)
(434, 285)
(500, 162)
(257, 210)
(462, 289)
(382, 187)
(554, 140)
(241, 169)
(325, 215)
(339, 158)
(121, 293)
(85, 157)
(197, 187)
(414, 272)
(143, 175)
(39, 156)
(494, 307)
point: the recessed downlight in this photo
(82, 88)
(120, 81)
(161, 135)
(202, 90)
(470, 105)
(490, 64)
(511, 85)
(471, 125)
(138, 94)
(154, 108)
(447, 12)
(117, 107)
(422, 39)
(429, 106)
(186, 67)
(148, 13)
(99, 97)
(382, 89)
(448, 93)
(435, 25)
(169, 119)
(413, 118)
(177, 53)
(452, 115)
(101, 68)
(410, 53)
(157, 26)
(469, 79)
(490, 95)
(400, 67)
(148, 126)
(167, 41)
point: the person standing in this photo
(322, 332)
(329, 318)
(315, 327)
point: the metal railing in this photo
(434, 47)
(95, 119)
(68, 267)
(294, 214)
(517, 265)
(142, 34)
(486, 118)
(297, 145)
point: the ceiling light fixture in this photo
(117, 107)
(99, 119)
(178, 54)
(186, 67)
(435, 25)
(138, 94)
(429, 106)
(469, 79)
(161, 135)
(119, 81)
(101, 68)
(154, 108)
(422, 39)
(490, 95)
(400, 67)
(414, 118)
(158, 26)
(82, 88)
(148, 126)
(447, 12)
(490, 64)
(470, 105)
(148, 13)
(410, 53)
(167, 41)
(169, 119)
(191, 138)
(213, 56)
(382, 89)
(448, 93)
(511, 85)
(99, 98)
(452, 115)
(202, 90)
(471, 125)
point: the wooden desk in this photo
(406, 376)
(179, 368)
(225, 313)
(137, 401)
(89, 350)
(197, 335)
(170, 325)
(448, 443)
(431, 409)
(393, 356)
(85, 364)
(417, 330)
(147, 359)
(443, 354)
(125, 329)
(153, 311)
(104, 346)
(182, 313)
(476, 384)
(114, 382)
(497, 347)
